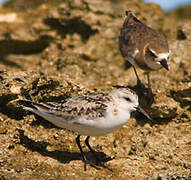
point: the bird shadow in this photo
(61, 156)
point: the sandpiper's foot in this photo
(90, 163)
(99, 162)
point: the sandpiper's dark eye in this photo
(127, 99)
(152, 54)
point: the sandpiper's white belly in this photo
(91, 127)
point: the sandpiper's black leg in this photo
(98, 161)
(81, 151)
(83, 156)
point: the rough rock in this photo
(62, 49)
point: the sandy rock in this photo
(58, 50)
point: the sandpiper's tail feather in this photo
(26, 104)
(37, 108)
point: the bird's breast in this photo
(140, 62)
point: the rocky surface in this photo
(58, 50)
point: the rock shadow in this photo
(20, 47)
(183, 97)
(14, 110)
(71, 26)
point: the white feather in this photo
(163, 55)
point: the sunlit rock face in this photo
(53, 51)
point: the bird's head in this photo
(127, 99)
(156, 54)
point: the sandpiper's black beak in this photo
(139, 109)
(164, 64)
